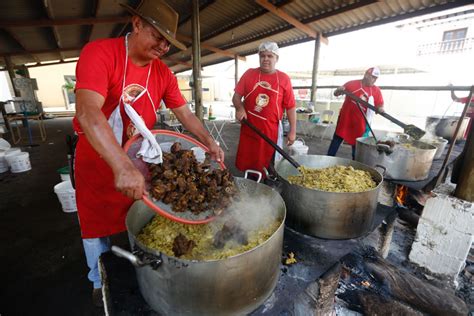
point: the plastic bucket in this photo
(3, 162)
(67, 196)
(18, 161)
(199, 153)
(4, 145)
(298, 148)
(64, 173)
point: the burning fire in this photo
(401, 194)
(365, 283)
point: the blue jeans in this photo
(94, 247)
(335, 144)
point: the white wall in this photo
(50, 80)
(6, 92)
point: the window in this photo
(453, 40)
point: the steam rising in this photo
(252, 210)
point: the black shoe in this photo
(97, 298)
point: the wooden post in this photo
(317, 45)
(465, 186)
(11, 73)
(197, 60)
(236, 66)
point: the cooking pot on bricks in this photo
(332, 215)
(236, 285)
(445, 126)
(408, 160)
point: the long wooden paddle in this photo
(409, 129)
(271, 143)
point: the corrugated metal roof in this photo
(40, 31)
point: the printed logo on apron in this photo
(261, 101)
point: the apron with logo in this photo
(261, 104)
(101, 208)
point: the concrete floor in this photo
(43, 266)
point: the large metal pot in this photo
(233, 286)
(408, 163)
(332, 215)
(445, 126)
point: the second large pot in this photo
(409, 162)
(233, 286)
(332, 215)
(445, 126)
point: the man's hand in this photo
(291, 138)
(216, 152)
(130, 182)
(339, 91)
(380, 110)
(240, 114)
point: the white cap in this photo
(269, 46)
(374, 71)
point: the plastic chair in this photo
(326, 116)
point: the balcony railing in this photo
(446, 47)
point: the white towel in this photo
(149, 151)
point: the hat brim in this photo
(168, 37)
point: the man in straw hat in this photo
(351, 123)
(113, 77)
(261, 96)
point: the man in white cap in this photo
(114, 77)
(351, 123)
(261, 96)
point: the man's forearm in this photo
(98, 132)
(291, 113)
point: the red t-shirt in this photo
(351, 123)
(100, 68)
(253, 152)
(280, 82)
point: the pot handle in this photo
(384, 170)
(152, 261)
(250, 171)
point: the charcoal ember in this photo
(230, 231)
(182, 245)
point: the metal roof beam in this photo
(40, 51)
(214, 49)
(290, 19)
(56, 22)
(49, 13)
(16, 39)
(96, 10)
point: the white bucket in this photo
(4, 145)
(3, 162)
(66, 195)
(12, 150)
(199, 153)
(166, 147)
(298, 148)
(18, 161)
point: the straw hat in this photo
(161, 16)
